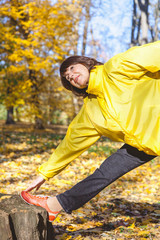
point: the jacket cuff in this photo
(40, 174)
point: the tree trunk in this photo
(35, 100)
(20, 221)
(38, 123)
(94, 50)
(87, 18)
(140, 25)
(134, 21)
(143, 4)
(10, 119)
(157, 17)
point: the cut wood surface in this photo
(20, 221)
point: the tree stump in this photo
(20, 221)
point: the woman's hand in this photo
(36, 184)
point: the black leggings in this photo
(115, 166)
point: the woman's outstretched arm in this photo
(80, 136)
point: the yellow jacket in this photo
(123, 104)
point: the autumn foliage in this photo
(127, 209)
(35, 37)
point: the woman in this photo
(121, 101)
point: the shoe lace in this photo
(40, 197)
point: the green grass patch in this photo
(3, 112)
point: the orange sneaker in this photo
(39, 201)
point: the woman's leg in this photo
(115, 166)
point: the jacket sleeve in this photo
(80, 136)
(145, 57)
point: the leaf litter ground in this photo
(128, 209)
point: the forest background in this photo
(35, 110)
(36, 36)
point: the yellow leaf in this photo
(132, 225)
(143, 233)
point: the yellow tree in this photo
(35, 37)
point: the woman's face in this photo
(77, 75)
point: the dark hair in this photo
(88, 62)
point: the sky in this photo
(111, 24)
